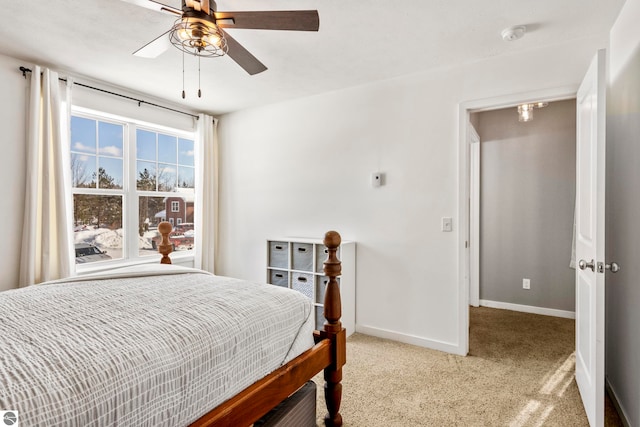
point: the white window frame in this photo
(175, 206)
(130, 194)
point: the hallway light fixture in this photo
(525, 111)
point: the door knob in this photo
(584, 265)
(613, 267)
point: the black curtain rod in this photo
(139, 101)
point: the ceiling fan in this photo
(200, 30)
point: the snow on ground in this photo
(105, 238)
(112, 241)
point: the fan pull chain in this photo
(199, 92)
(183, 94)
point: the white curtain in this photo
(47, 250)
(206, 217)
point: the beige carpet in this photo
(519, 372)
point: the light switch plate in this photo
(447, 223)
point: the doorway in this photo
(522, 206)
(465, 111)
(591, 141)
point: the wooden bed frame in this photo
(328, 353)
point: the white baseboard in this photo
(614, 398)
(528, 309)
(410, 339)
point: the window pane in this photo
(110, 139)
(167, 176)
(167, 149)
(146, 176)
(178, 211)
(151, 212)
(100, 161)
(83, 135)
(185, 152)
(186, 177)
(110, 172)
(83, 170)
(145, 145)
(98, 233)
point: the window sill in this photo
(179, 259)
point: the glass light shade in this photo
(525, 112)
(213, 39)
(198, 36)
(183, 33)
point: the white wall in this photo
(622, 212)
(527, 200)
(13, 105)
(302, 167)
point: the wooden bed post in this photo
(334, 331)
(165, 245)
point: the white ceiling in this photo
(359, 41)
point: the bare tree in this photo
(79, 175)
(166, 179)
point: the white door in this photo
(590, 193)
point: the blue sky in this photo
(101, 147)
(100, 144)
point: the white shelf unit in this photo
(297, 263)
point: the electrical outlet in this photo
(526, 284)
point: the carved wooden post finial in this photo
(333, 330)
(332, 269)
(165, 247)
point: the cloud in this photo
(79, 146)
(111, 150)
(167, 169)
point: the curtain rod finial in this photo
(24, 71)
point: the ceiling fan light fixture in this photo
(198, 36)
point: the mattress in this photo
(142, 348)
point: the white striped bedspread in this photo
(158, 350)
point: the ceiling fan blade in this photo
(154, 48)
(157, 6)
(243, 57)
(294, 20)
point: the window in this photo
(127, 177)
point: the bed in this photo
(165, 345)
